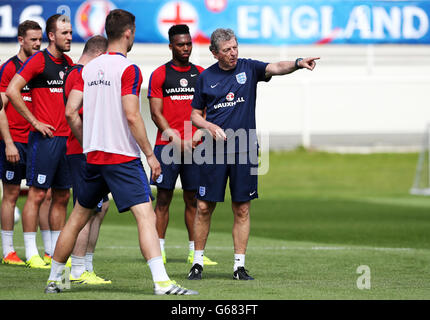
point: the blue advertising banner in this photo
(273, 22)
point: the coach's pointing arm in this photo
(285, 67)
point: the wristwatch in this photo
(297, 63)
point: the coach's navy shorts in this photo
(46, 162)
(242, 182)
(170, 172)
(77, 164)
(13, 173)
(126, 181)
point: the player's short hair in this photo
(27, 25)
(220, 35)
(178, 29)
(95, 45)
(117, 22)
(51, 23)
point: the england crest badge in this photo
(202, 191)
(160, 178)
(41, 178)
(241, 78)
(10, 174)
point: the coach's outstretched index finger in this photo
(309, 63)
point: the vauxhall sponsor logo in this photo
(184, 89)
(230, 101)
(179, 90)
(54, 82)
(99, 83)
(182, 97)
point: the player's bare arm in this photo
(12, 154)
(199, 121)
(156, 107)
(130, 105)
(286, 67)
(74, 104)
(13, 92)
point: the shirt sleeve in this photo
(78, 83)
(74, 81)
(131, 81)
(156, 81)
(199, 101)
(7, 71)
(260, 70)
(32, 67)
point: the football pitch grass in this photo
(319, 217)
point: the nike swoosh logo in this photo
(251, 193)
(193, 74)
(213, 86)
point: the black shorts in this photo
(238, 169)
(126, 181)
(77, 164)
(13, 173)
(188, 172)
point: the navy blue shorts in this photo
(77, 164)
(170, 172)
(13, 173)
(238, 170)
(46, 162)
(126, 181)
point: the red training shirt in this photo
(74, 82)
(45, 78)
(19, 127)
(175, 85)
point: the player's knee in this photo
(61, 197)
(205, 208)
(144, 213)
(190, 200)
(10, 194)
(242, 212)
(164, 197)
(36, 195)
(162, 208)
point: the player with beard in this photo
(46, 164)
(14, 131)
(114, 135)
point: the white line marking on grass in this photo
(328, 248)
(322, 248)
